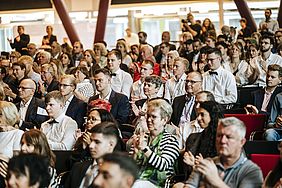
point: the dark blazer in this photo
(158, 53)
(19, 45)
(54, 85)
(77, 111)
(32, 119)
(77, 174)
(177, 107)
(51, 40)
(120, 106)
(258, 96)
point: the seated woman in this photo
(157, 151)
(274, 177)
(34, 141)
(202, 144)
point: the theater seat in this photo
(266, 162)
(253, 122)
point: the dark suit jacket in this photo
(120, 106)
(51, 40)
(158, 54)
(77, 174)
(177, 107)
(258, 96)
(24, 40)
(54, 85)
(77, 111)
(32, 119)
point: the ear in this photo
(129, 181)
(243, 141)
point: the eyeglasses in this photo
(192, 81)
(22, 87)
(93, 119)
(65, 85)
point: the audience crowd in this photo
(139, 115)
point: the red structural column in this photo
(101, 20)
(245, 12)
(279, 17)
(66, 20)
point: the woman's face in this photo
(97, 51)
(206, 22)
(170, 61)
(120, 47)
(65, 59)
(26, 147)
(155, 122)
(79, 75)
(203, 117)
(253, 52)
(93, 119)
(88, 57)
(235, 51)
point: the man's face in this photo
(20, 30)
(228, 141)
(278, 37)
(193, 84)
(222, 50)
(66, 87)
(102, 81)
(267, 14)
(26, 90)
(142, 39)
(31, 50)
(214, 61)
(45, 74)
(18, 72)
(196, 46)
(210, 42)
(55, 49)
(77, 48)
(42, 59)
(178, 68)
(111, 176)
(54, 108)
(17, 180)
(265, 45)
(146, 70)
(113, 62)
(100, 145)
(49, 30)
(272, 78)
(165, 37)
(150, 89)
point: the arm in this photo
(231, 90)
(167, 93)
(126, 86)
(123, 110)
(275, 111)
(193, 32)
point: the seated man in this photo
(31, 109)
(74, 107)
(116, 171)
(59, 129)
(119, 102)
(104, 138)
(121, 81)
(231, 168)
(263, 98)
(28, 170)
(219, 81)
(274, 131)
(175, 86)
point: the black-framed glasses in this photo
(192, 81)
(65, 85)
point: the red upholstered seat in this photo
(266, 162)
(253, 122)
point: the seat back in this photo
(253, 122)
(266, 162)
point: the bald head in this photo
(27, 89)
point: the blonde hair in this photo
(102, 48)
(9, 112)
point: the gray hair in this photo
(164, 106)
(233, 121)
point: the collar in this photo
(182, 78)
(118, 71)
(107, 97)
(242, 159)
(70, 98)
(26, 104)
(59, 119)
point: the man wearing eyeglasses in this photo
(74, 107)
(31, 109)
(184, 106)
(77, 52)
(219, 81)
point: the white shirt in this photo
(23, 108)
(241, 73)
(67, 103)
(137, 90)
(273, 59)
(122, 82)
(10, 141)
(174, 88)
(61, 135)
(266, 99)
(223, 86)
(90, 174)
(186, 129)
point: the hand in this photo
(9, 40)
(209, 171)
(251, 109)
(142, 141)
(136, 110)
(86, 139)
(278, 121)
(8, 91)
(188, 158)
(278, 184)
(198, 159)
